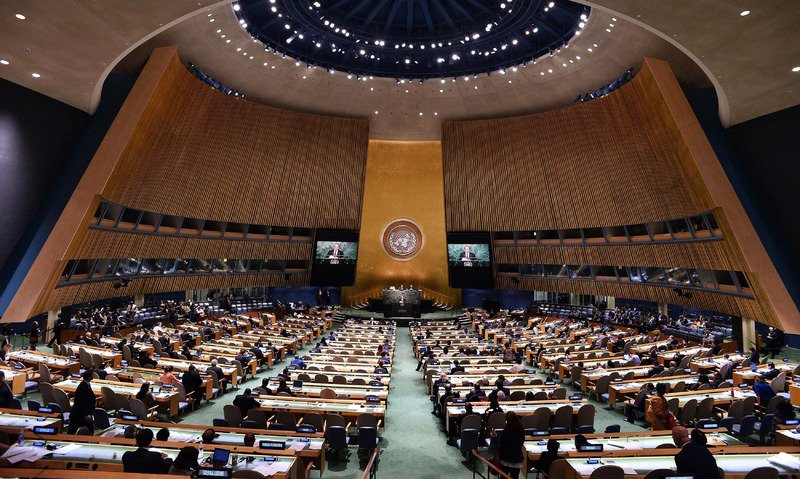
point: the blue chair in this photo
(765, 427)
(16, 404)
(248, 424)
(367, 438)
(33, 405)
(585, 429)
(217, 422)
(558, 430)
(337, 440)
(613, 428)
(746, 428)
(468, 441)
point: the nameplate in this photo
(272, 444)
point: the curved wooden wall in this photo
(180, 147)
(634, 156)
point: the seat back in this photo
(334, 420)
(320, 378)
(542, 421)
(47, 393)
(366, 420)
(314, 419)
(327, 393)
(496, 420)
(232, 414)
(705, 409)
(689, 411)
(137, 408)
(563, 417)
(258, 416)
(286, 419)
(62, 399)
(765, 472)
(779, 383)
(107, 394)
(558, 469)
(736, 411)
(585, 415)
(608, 471)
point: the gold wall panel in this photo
(403, 180)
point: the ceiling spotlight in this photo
(376, 112)
(236, 7)
(4, 62)
(795, 69)
(35, 75)
(20, 16)
(745, 13)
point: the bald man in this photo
(680, 436)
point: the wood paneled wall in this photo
(611, 161)
(180, 147)
(203, 154)
(634, 156)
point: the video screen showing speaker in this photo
(335, 256)
(469, 256)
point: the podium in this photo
(401, 303)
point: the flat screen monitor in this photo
(335, 256)
(469, 259)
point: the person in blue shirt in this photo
(763, 390)
(297, 361)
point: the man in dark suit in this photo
(245, 402)
(83, 405)
(457, 368)
(696, 459)
(6, 396)
(466, 255)
(144, 461)
(192, 382)
(335, 252)
(220, 374)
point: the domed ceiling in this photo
(413, 39)
(751, 60)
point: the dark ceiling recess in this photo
(412, 39)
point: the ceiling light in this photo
(236, 7)
(436, 113)
(795, 69)
(4, 62)
(35, 75)
(20, 16)
(745, 13)
(376, 112)
(420, 113)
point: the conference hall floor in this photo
(413, 444)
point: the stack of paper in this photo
(788, 461)
(17, 454)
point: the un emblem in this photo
(402, 239)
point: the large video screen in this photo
(469, 257)
(335, 256)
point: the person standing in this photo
(83, 405)
(58, 326)
(658, 414)
(509, 445)
(6, 396)
(35, 333)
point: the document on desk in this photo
(785, 460)
(298, 446)
(17, 454)
(66, 449)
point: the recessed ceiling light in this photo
(745, 13)
(20, 16)
(4, 62)
(35, 75)
(795, 69)
(376, 112)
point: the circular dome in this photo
(412, 39)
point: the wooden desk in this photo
(167, 400)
